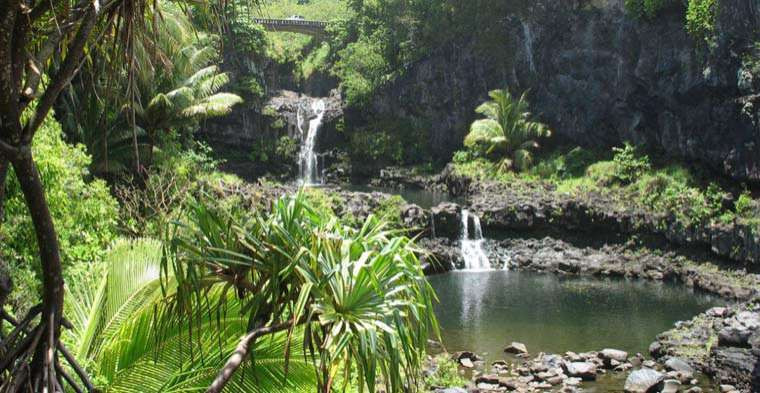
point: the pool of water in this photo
(423, 198)
(485, 311)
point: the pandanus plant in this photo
(130, 341)
(507, 132)
(284, 301)
(359, 295)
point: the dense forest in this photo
(380, 195)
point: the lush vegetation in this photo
(83, 210)
(629, 179)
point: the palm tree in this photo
(129, 345)
(359, 295)
(194, 99)
(507, 130)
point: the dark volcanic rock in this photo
(447, 220)
(599, 77)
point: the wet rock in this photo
(609, 355)
(739, 329)
(451, 390)
(516, 348)
(447, 220)
(644, 380)
(670, 386)
(583, 370)
(678, 364)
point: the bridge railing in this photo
(291, 22)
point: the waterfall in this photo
(475, 257)
(528, 45)
(307, 157)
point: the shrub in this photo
(629, 164)
(746, 207)
(700, 18)
(445, 374)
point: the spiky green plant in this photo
(131, 343)
(508, 131)
(359, 294)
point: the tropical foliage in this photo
(82, 208)
(358, 294)
(508, 131)
(129, 346)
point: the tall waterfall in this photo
(528, 45)
(475, 257)
(308, 163)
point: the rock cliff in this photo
(599, 77)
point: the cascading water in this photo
(475, 257)
(528, 44)
(307, 158)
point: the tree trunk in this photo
(50, 258)
(3, 176)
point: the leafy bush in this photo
(84, 212)
(746, 207)
(629, 164)
(445, 374)
(672, 191)
(561, 165)
(700, 18)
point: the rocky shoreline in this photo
(624, 242)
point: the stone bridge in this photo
(302, 26)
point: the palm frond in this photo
(219, 104)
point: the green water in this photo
(485, 311)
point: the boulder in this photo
(678, 364)
(447, 220)
(613, 354)
(644, 380)
(583, 370)
(670, 386)
(516, 348)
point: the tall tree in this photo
(43, 44)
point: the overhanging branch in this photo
(243, 347)
(63, 76)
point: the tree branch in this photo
(77, 368)
(234, 362)
(63, 76)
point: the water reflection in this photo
(484, 311)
